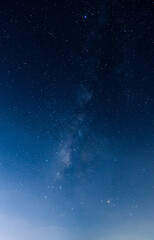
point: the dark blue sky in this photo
(76, 122)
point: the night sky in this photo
(76, 120)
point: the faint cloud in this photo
(63, 158)
(64, 155)
(17, 229)
(84, 96)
